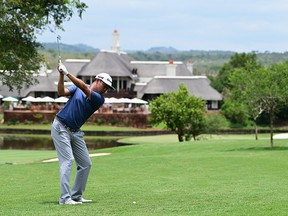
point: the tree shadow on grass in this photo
(275, 148)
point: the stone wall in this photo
(27, 115)
(137, 120)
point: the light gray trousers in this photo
(71, 146)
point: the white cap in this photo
(106, 78)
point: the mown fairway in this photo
(219, 175)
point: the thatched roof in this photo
(73, 66)
(45, 85)
(113, 63)
(199, 86)
(149, 69)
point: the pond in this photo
(46, 143)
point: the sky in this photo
(227, 25)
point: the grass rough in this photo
(218, 175)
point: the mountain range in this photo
(82, 48)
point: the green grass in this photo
(24, 156)
(218, 175)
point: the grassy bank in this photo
(218, 175)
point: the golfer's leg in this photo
(84, 163)
(63, 147)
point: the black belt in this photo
(68, 128)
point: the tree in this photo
(272, 90)
(245, 61)
(261, 90)
(20, 21)
(180, 112)
(233, 108)
(244, 94)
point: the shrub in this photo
(215, 122)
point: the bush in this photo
(27, 122)
(12, 121)
(215, 122)
(235, 113)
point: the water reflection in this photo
(46, 143)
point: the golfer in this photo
(67, 136)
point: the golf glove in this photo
(62, 69)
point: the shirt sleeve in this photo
(72, 89)
(97, 99)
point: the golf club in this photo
(58, 42)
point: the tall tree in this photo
(240, 66)
(244, 93)
(262, 90)
(245, 61)
(180, 112)
(272, 90)
(20, 21)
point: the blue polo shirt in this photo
(79, 108)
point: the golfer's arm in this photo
(62, 91)
(80, 84)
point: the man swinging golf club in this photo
(67, 136)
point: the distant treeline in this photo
(204, 62)
(207, 62)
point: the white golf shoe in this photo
(82, 200)
(71, 202)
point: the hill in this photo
(162, 50)
(77, 48)
(204, 62)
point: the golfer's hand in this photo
(62, 69)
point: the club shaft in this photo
(58, 42)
